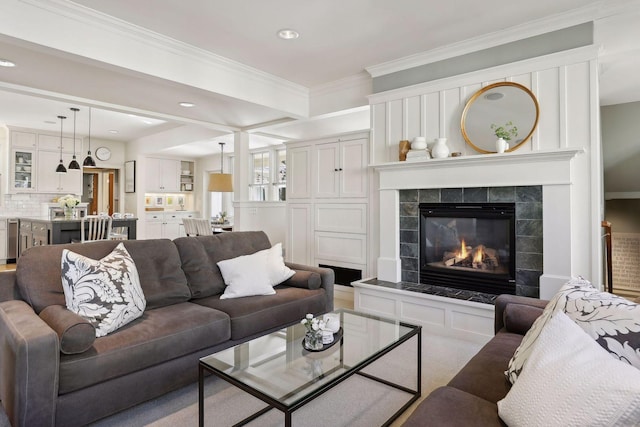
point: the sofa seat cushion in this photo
(159, 335)
(250, 315)
(448, 406)
(484, 376)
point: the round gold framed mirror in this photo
(507, 105)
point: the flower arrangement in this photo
(313, 324)
(505, 132)
(68, 201)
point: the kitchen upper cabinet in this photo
(52, 143)
(299, 172)
(23, 171)
(24, 140)
(162, 175)
(51, 182)
(341, 169)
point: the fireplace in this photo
(469, 246)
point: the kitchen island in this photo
(36, 231)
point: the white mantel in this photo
(553, 170)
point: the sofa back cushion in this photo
(200, 255)
(157, 261)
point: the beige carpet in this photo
(356, 402)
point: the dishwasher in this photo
(13, 239)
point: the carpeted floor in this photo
(356, 402)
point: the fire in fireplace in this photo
(468, 246)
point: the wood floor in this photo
(7, 267)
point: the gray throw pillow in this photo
(106, 292)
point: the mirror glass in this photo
(499, 104)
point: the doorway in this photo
(100, 190)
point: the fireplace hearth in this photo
(468, 246)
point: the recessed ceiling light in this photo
(147, 122)
(113, 131)
(288, 34)
(6, 63)
(187, 104)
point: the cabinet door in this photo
(162, 175)
(327, 170)
(353, 168)
(153, 175)
(171, 230)
(23, 140)
(153, 230)
(49, 181)
(170, 175)
(52, 143)
(299, 173)
(23, 171)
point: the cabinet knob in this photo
(336, 169)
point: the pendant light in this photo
(88, 161)
(61, 168)
(221, 182)
(74, 163)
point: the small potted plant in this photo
(68, 203)
(504, 134)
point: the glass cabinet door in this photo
(23, 172)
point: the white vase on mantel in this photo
(501, 145)
(440, 149)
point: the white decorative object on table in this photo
(501, 145)
(332, 322)
(440, 149)
(419, 143)
(313, 336)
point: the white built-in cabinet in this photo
(162, 175)
(167, 225)
(341, 169)
(48, 181)
(328, 202)
(33, 161)
(299, 172)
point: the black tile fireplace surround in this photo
(528, 230)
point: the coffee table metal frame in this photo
(356, 369)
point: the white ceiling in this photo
(338, 39)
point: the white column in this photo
(389, 267)
(240, 177)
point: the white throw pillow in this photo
(570, 380)
(106, 292)
(254, 274)
(524, 349)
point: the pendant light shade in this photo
(88, 161)
(61, 168)
(221, 182)
(74, 163)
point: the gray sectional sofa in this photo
(184, 320)
(470, 398)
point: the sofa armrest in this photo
(29, 360)
(503, 300)
(326, 275)
(9, 286)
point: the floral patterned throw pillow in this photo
(106, 292)
(612, 321)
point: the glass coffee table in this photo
(278, 370)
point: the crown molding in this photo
(347, 83)
(497, 38)
(88, 17)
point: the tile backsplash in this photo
(17, 205)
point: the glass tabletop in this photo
(278, 366)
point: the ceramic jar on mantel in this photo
(501, 145)
(440, 149)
